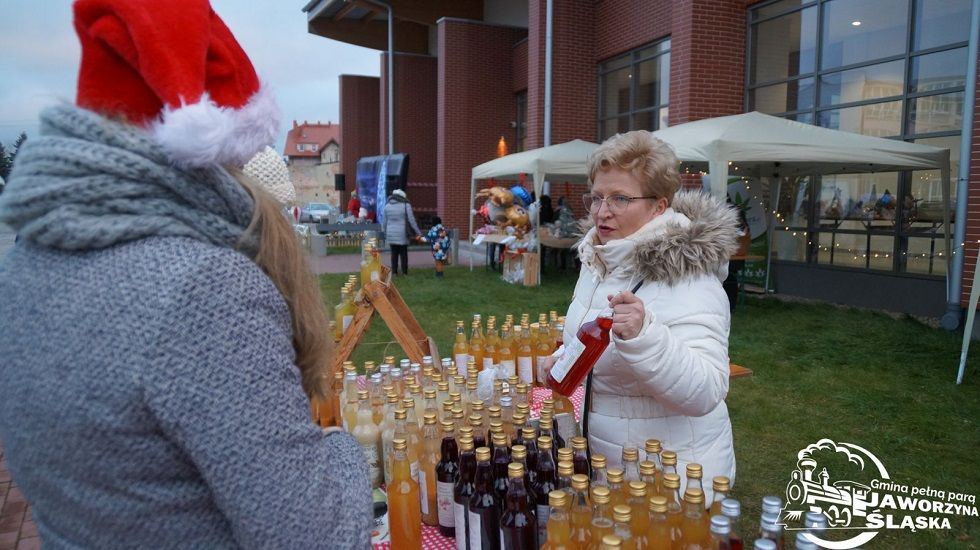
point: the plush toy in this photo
(501, 209)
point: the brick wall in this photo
(475, 106)
(415, 112)
(359, 110)
(520, 66)
(573, 81)
(622, 25)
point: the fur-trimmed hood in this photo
(696, 236)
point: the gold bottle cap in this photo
(476, 420)
(430, 393)
(611, 542)
(401, 414)
(544, 442)
(427, 371)
(466, 443)
(457, 413)
(515, 470)
(579, 443)
(429, 418)
(493, 411)
(522, 388)
(548, 403)
(471, 385)
(483, 454)
(369, 365)
(459, 381)
(476, 405)
(564, 454)
(362, 395)
(648, 468)
(544, 423)
(638, 489)
(466, 431)
(600, 495)
(513, 380)
(399, 444)
(339, 375)
(615, 475)
(631, 454)
(672, 481)
(496, 426)
(459, 324)
(598, 461)
(348, 365)
(523, 408)
(518, 452)
(721, 483)
(448, 426)
(580, 482)
(622, 513)
(443, 386)
(390, 359)
(500, 440)
(387, 388)
(528, 433)
(414, 389)
(518, 419)
(455, 396)
(447, 407)
(694, 496)
(658, 504)
(669, 458)
(558, 499)
(566, 468)
(498, 384)
(408, 403)
(393, 397)
(694, 471)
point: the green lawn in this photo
(819, 372)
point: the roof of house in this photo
(307, 133)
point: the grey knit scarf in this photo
(88, 182)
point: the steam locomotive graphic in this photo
(841, 502)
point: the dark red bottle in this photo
(462, 492)
(484, 516)
(500, 460)
(447, 472)
(544, 483)
(581, 354)
(518, 526)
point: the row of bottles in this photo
(518, 348)
(370, 271)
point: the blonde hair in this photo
(282, 259)
(648, 159)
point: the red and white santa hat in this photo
(173, 67)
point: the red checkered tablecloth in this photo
(431, 539)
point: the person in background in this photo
(665, 372)
(353, 205)
(547, 212)
(162, 332)
(438, 237)
(736, 266)
(398, 223)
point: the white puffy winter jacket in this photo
(670, 381)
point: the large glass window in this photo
(885, 68)
(520, 124)
(634, 90)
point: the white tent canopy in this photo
(567, 160)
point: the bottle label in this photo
(524, 369)
(414, 467)
(487, 363)
(508, 367)
(573, 351)
(475, 540)
(543, 513)
(461, 360)
(375, 275)
(459, 513)
(373, 461)
(423, 492)
(444, 500)
(347, 321)
(565, 422)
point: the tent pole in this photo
(469, 236)
(970, 314)
(773, 203)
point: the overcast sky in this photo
(39, 56)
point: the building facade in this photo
(313, 159)
(469, 74)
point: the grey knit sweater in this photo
(149, 398)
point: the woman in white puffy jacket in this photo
(665, 372)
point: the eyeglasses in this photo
(617, 204)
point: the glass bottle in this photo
(720, 485)
(500, 460)
(731, 509)
(559, 528)
(447, 472)
(531, 443)
(430, 403)
(543, 349)
(388, 434)
(546, 428)
(339, 399)
(385, 371)
(518, 454)
(622, 526)
(648, 475)
(772, 504)
(521, 394)
(458, 418)
(675, 511)
(462, 492)
(518, 524)
(565, 454)
(694, 473)
(764, 544)
(507, 416)
(490, 355)
(815, 522)
(404, 430)
(409, 405)
(479, 432)
(631, 464)
(525, 356)
(442, 392)
(581, 510)
(565, 471)
(694, 532)
(602, 519)
(617, 494)
(659, 534)
(803, 543)
(581, 354)
(431, 441)
(403, 502)
(652, 448)
(669, 461)
(415, 375)
(506, 352)
(477, 406)
(720, 531)
(398, 381)
(376, 397)
(418, 404)
(341, 318)
(770, 529)
(350, 399)
(461, 349)
(369, 438)
(599, 478)
(543, 484)
(484, 512)
(476, 348)
(638, 502)
(580, 455)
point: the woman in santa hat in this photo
(162, 332)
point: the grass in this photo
(819, 372)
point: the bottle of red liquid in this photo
(581, 354)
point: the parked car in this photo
(318, 212)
